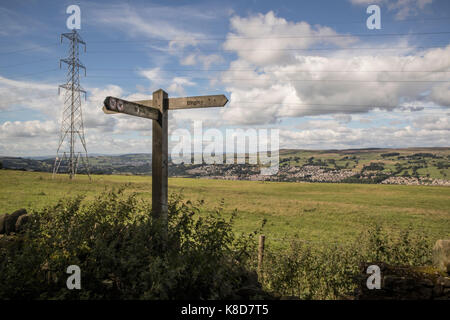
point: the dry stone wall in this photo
(405, 283)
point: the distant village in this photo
(307, 173)
(345, 166)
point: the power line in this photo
(251, 104)
(12, 102)
(272, 50)
(385, 21)
(277, 80)
(264, 72)
(280, 72)
(287, 80)
(25, 63)
(341, 108)
(344, 80)
(283, 37)
(251, 50)
(29, 49)
(224, 50)
(34, 73)
(321, 104)
(247, 38)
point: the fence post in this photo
(261, 254)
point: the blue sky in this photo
(312, 69)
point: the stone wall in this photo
(405, 283)
(14, 222)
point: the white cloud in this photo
(189, 60)
(21, 129)
(330, 134)
(403, 8)
(26, 137)
(158, 22)
(177, 86)
(342, 118)
(267, 86)
(205, 60)
(433, 123)
(368, 2)
(126, 123)
(151, 74)
(264, 89)
(265, 40)
(12, 23)
(149, 21)
(441, 95)
(407, 8)
(93, 116)
(33, 95)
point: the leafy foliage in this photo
(312, 271)
(119, 249)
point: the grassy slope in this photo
(354, 159)
(366, 156)
(314, 211)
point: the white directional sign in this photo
(191, 102)
(157, 110)
(145, 108)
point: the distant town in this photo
(414, 166)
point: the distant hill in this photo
(101, 164)
(53, 156)
(372, 165)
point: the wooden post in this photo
(261, 254)
(157, 110)
(160, 159)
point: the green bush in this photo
(118, 247)
(317, 271)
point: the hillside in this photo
(389, 166)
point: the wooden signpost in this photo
(157, 110)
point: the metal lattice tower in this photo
(72, 118)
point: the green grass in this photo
(312, 211)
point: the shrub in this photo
(118, 247)
(373, 166)
(390, 154)
(318, 271)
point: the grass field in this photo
(311, 211)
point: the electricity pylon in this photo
(72, 118)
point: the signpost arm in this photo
(115, 105)
(160, 160)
